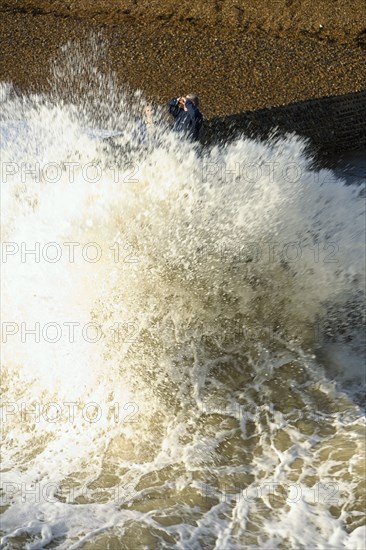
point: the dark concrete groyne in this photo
(332, 124)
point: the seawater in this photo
(182, 344)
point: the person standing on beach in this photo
(187, 116)
(144, 125)
(149, 115)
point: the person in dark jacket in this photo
(187, 116)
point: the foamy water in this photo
(182, 351)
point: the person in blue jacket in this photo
(187, 116)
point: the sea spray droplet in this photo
(185, 369)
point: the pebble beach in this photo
(234, 55)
